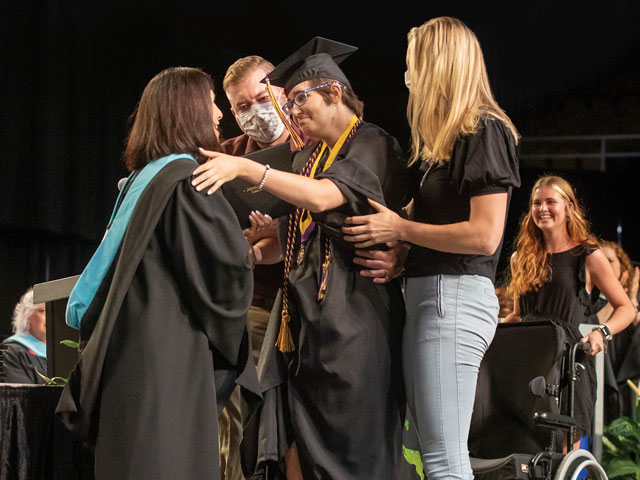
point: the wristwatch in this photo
(606, 333)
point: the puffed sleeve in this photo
(486, 161)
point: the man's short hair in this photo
(241, 68)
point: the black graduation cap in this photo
(318, 58)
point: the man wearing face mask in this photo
(251, 106)
(254, 112)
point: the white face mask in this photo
(261, 122)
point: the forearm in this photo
(461, 238)
(622, 316)
(308, 193)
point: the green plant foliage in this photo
(621, 453)
(55, 381)
(70, 343)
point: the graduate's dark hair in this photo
(349, 98)
(174, 115)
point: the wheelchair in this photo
(524, 375)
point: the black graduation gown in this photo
(20, 364)
(165, 338)
(340, 394)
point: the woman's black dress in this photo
(564, 300)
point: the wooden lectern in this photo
(60, 358)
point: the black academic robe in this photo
(164, 340)
(20, 364)
(340, 393)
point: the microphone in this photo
(121, 183)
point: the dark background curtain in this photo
(72, 72)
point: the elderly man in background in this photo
(25, 352)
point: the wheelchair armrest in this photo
(553, 420)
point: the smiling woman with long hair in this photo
(555, 265)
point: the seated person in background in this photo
(26, 350)
(556, 263)
(622, 360)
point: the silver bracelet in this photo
(264, 178)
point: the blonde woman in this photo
(556, 263)
(465, 146)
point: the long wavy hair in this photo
(530, 268)
(623, 258)
(449, 89)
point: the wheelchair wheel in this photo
(576, 461)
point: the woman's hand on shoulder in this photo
(367, 230)
(215, 172)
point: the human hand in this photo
(220, 169)
(259, 224)
(382, 265)
(381, 227)
(596, 340)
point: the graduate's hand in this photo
(220, 169)
(382, 265)
(373, 229)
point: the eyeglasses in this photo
(300, 98)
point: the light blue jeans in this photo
(451, 320)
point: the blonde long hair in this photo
(449, 88)
(530, 269)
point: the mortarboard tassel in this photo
(297, 141)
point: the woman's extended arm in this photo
(602, 276)
(311, 194)
(480, 235)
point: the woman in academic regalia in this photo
(161, 306)
(337, 332)
(25, 352)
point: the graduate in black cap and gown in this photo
(330, 363)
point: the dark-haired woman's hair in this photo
(174, 115)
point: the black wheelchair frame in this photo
(528, 366)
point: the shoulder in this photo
(237, 145)
(491, 128)
(485, 159)
(370, 132)
(14, 349)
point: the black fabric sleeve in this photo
(359, 174)
(210, 259)
(19, 365)
(485, 162)
(373, 167)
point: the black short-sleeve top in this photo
(482, 163)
